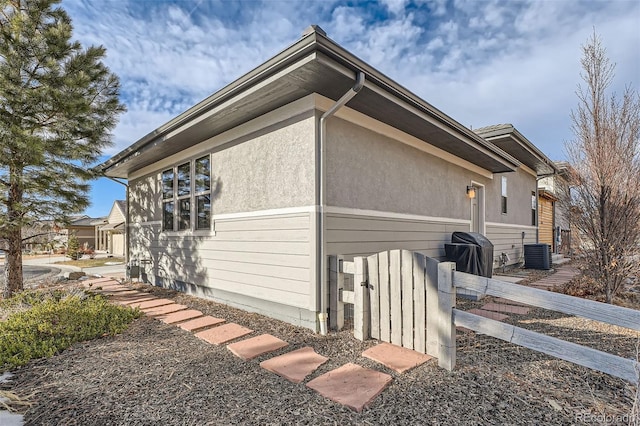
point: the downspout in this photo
(126, 228)
(322, 316)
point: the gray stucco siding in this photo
(520, 184)
(145, 199)
(272, 170)
(370, 171)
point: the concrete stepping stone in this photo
(102, 285)
(397, 358)
(351, 385)
(510, 309)
(134, 300)
(151, 303)
(96, 281)
(295, 365)
(223, 333)
(174, 317)
(200, 323)
(509, 302)
(164, 309)
(256, 346)
(489, 314)
(131, 294)
(120, 292)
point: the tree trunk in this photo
(13, 264)
(13, 234)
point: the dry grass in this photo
(91, 263)
(11, 402)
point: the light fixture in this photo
(471, 191)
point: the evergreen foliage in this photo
(42, 324)
(58, 103)
(73, 247)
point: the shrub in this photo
(73, 248)
(43, 324)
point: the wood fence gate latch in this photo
(366, 284)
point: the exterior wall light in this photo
(471, 191)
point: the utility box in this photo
(537, 256)
(133, 270)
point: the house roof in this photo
(86, 221)
(313, 64)
(122, 205)
(509, 139)
(112, 227)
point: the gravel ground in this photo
(158, 374)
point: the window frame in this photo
(199, 194)
(186, 194)
(168, 198)
(504, 197)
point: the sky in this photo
(480, 62)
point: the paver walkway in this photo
(500, 307)
(351, 385)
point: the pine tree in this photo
(58, 103)
(73, 247)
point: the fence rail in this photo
(409, 299)
(627, 369)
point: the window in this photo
(203, 192)
(504, 195)
(534, 206)
(184, 196)
(167, 200)
(184, 186)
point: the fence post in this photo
(446, 328)
(433, 316)
(336, 283)
(361, 308)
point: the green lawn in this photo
(90, 263)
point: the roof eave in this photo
(290, 54)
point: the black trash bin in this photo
(472, 252)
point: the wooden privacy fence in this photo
(408, 299)
(392, 292)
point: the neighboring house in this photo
(242, 197)
(537, 166)
(84, 228)
(112, 234)
(555, 227)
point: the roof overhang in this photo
(314, 64)
(112, 227)
(544, 193)
(510, 140)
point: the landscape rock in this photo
(75, 275)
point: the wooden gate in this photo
(393, 292)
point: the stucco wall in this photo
(272, 170)
(520, 185)
(369, 171)
(366, 170)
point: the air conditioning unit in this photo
(537, 256)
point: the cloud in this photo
(480, 62)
